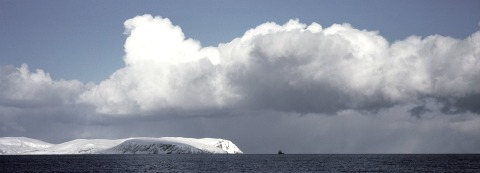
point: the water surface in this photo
(243, 163)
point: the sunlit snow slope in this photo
(21, 145)
(138, 145)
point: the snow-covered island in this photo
(137, 145)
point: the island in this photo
(134, 145)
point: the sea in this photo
(243, 163)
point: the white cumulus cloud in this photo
(21, 88)
(291, 67)
(163, 69)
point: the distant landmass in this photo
(135, 145)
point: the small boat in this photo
(280, 152)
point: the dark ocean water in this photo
(243, 163)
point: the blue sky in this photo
(375, 77)
(84, 39)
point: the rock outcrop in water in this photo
(138, 145)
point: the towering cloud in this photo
(162, 70)
(291, 67)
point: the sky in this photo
(301, 76)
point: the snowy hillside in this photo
(21, 145)
(80, 146)
(140, 145)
